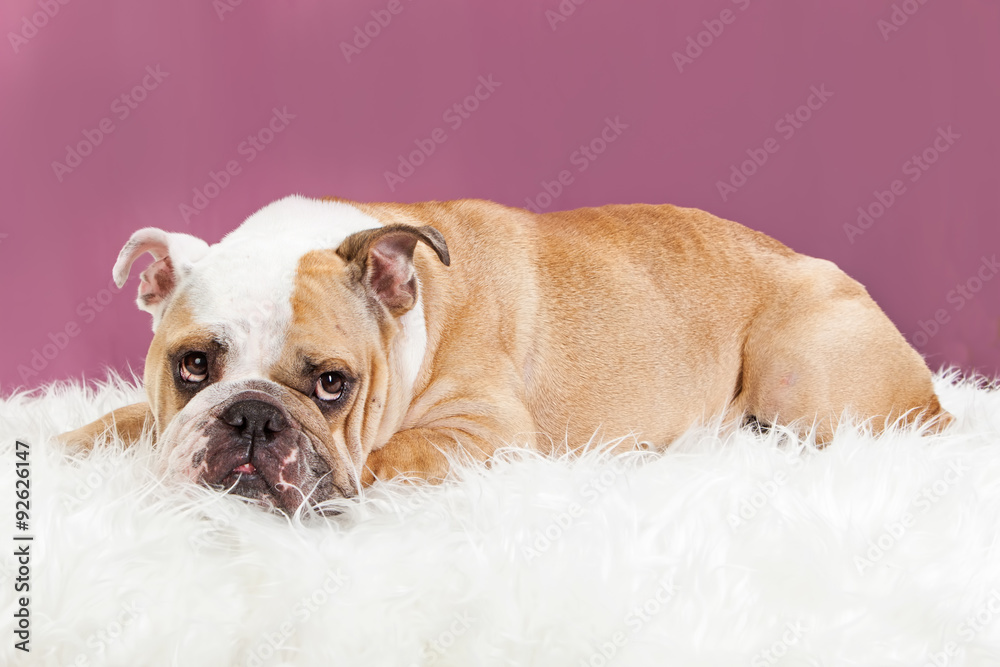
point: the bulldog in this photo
(326, 344)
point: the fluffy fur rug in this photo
(734, 549)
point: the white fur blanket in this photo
(722, 551)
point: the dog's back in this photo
(647, 319)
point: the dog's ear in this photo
(173, 257)
(383, 258)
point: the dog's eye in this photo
(330, 386)
(194, 367)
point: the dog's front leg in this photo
(423, 453)
(127, 424)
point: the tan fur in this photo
(549, 330)
(127, 423)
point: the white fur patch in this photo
(410, 346)
(242, 287)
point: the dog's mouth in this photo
(245, 469)
(244, 480)
(243, 473)
(279, 476)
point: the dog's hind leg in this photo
(823, 348)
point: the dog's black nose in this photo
(256, 420)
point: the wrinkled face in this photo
(276, 403)
(283, 354)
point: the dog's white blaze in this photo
(243, 285)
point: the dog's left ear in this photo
(384, 259)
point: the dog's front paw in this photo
(79, 440)
(127, 424)
(411, 454)
(377, 467)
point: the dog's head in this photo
(284, 353)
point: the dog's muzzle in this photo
(256, 449)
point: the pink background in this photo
(352, 120)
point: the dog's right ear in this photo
(384, 257)
(173, 256)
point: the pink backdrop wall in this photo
(886, 82)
